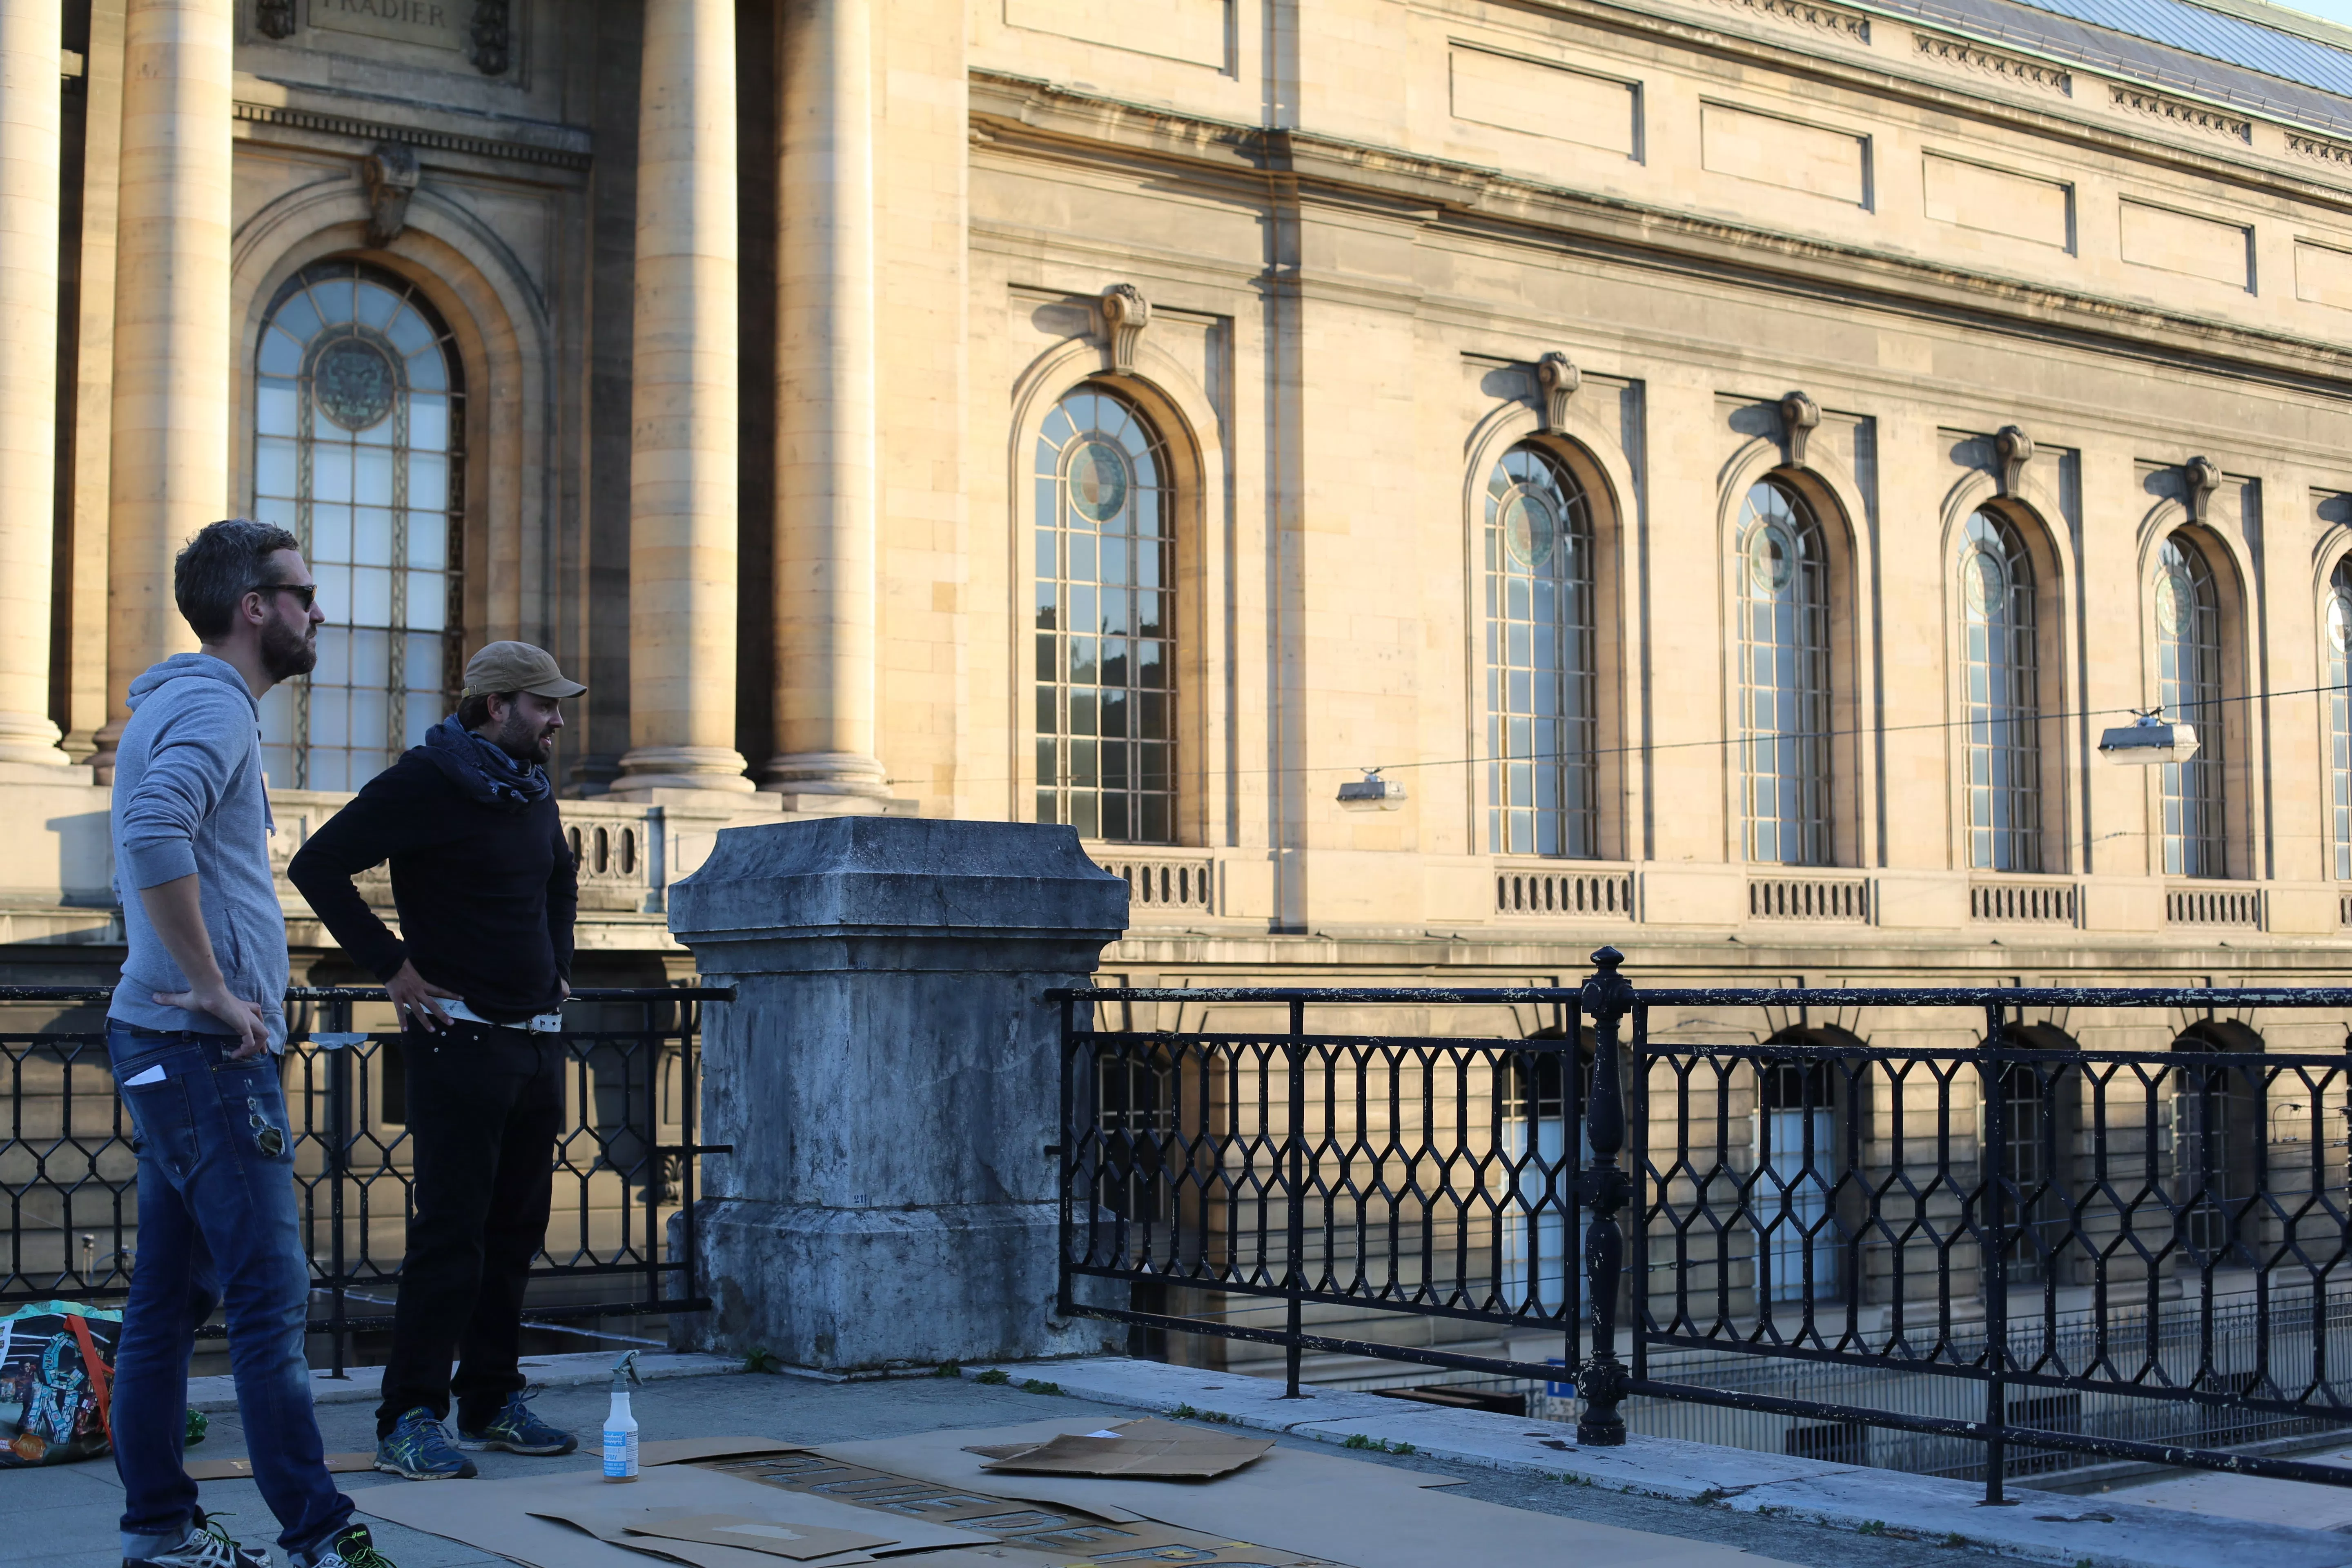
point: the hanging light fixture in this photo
(1371, 793)
(2149, 741)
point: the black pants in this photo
(484, 1108)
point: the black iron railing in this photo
(625, 1164)
(2090, 1238)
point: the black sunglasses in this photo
(303, 591)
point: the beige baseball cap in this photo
(516, 666)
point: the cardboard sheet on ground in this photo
(799, 1543)
(642, 1531)
(1139, 1448)
(691, 1450)
(241, 1469)
(941, 1457)
(1346, 1510)
(503, 1516)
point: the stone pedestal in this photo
(889, 1075)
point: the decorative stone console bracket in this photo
(1125, 313)
(391, 173)
(1798, 417)
(889, 1076)
(1556, 380)
(2201, 477)
(2012, 448)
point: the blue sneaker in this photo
(518, 1431)
(418, 1449)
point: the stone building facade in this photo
(1726, 461)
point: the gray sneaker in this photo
(208, 1545)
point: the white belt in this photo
(540, 1024)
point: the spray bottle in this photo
(620, 1427)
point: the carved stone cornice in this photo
(1829, 18)
(1125, 313)
(1799, 415)
(1556, 379)
(1032, 119)
(408, 135)
(2335, 152)
(2195, 116)
(2008, 67)
(2012, 448)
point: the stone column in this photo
(169, 472)
(682, 416)
(890, 1076)
(30, 46)
(825, 481)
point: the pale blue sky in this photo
(2336, 11)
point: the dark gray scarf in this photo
(483, 770)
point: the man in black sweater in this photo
(484, 882)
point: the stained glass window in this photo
(1541, 785)
(1784, 678)
(1999, 665)
(2337, 631)
(2189, 676)
(359, 422)
(1105, 682)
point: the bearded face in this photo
(290, 643)
(529, 736)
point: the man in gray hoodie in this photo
(191, 1036)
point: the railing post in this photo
(1295, 1244)
(339, 1145)
(1603, 1380)
(652, 1174)
(1066, 1139)
(688, 1266)
(1993, 1095)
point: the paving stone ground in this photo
(65, 1518)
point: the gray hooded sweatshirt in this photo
(188, 796)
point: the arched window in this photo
(2339, 715)
(2004, 706)
(2040, 1102)
(1106, 623)
(2188, 677)
(2218, 1133)
(1784, 678)
(1541, 723)
(357, 449)
(1793, 1196)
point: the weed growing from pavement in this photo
(1039, 1386)
(994, 1375)
(759, 1358)
(948, 1369)
(1378, 1445)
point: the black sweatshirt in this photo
(486, 895)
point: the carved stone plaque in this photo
(435, 24)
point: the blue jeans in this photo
(218, 1225)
